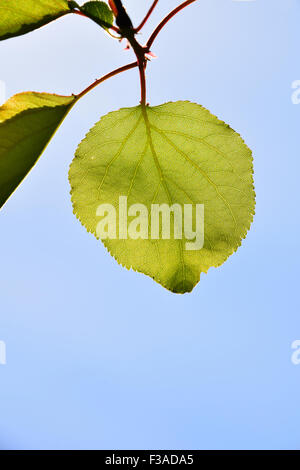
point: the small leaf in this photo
(176, 153)
(27, 123)
(99, 12)
(19, 17)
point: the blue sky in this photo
(102, 358)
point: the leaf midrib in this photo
(162, 179)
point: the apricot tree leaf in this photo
(99, 12)
(19, 17)
(176, 153)
(27, 123)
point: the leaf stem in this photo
(142, 69)
(77, 12)
(114, 28)
(146, 17)
(140, 52)
(166, 20)
(106, 77)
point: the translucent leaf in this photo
(18, 17)
(176, 153)
(27, 123)
(99, 12)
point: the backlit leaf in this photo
(176, 153)
(27, 123)
(99, 12)
(19, 17)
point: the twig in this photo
(142, 69)
(106, 77)
(77, 12)
(166, 20)
(147, 16)
(139, 50)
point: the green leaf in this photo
(19, 17)
(27, 123)
(99, 12)
(176, 153)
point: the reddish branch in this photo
(77, 12)
(146, 17)
(129, 33)
(106, 77)
(166, 20)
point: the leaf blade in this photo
(176, 153)
(28, 121)
(18, 17)
(99, 12)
